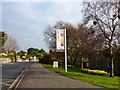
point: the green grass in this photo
(75, 73)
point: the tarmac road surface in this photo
(10, 72)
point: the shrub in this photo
(46, 59)
(95, 72)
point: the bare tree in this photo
(11, 46)
(88, 42)
(78, 39)
(104, 16)
(50, 38)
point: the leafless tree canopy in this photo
(81, 42)
(105, 17)
(99, 32)
(11, 44)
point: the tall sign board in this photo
(60, 37)
(61, 43)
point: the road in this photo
(10, 72)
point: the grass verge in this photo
(75, 73)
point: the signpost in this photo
(60, 39)
(65, 53)
(61, 43)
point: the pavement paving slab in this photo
(39, 77)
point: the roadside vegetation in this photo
(94, 42)
(76, 73)
(9, 48)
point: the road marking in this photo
(21, 79)
(5, 84)
(15, 84)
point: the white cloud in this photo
(59, 0)
(0, 15)
(42, 0)
(31, 19)
(57, 11)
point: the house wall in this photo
(4, 60)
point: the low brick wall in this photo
(4, 60)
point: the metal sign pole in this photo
(65, 53)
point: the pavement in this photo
(39, 77)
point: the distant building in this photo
(4, 54)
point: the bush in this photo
(95, 72)
(46, 59)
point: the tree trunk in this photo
(112, 68)
(15, 57)
(111, 61)
(82, 63)
(96, 63)
(39, 60)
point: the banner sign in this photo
(60, 39)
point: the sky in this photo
(27, 21)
